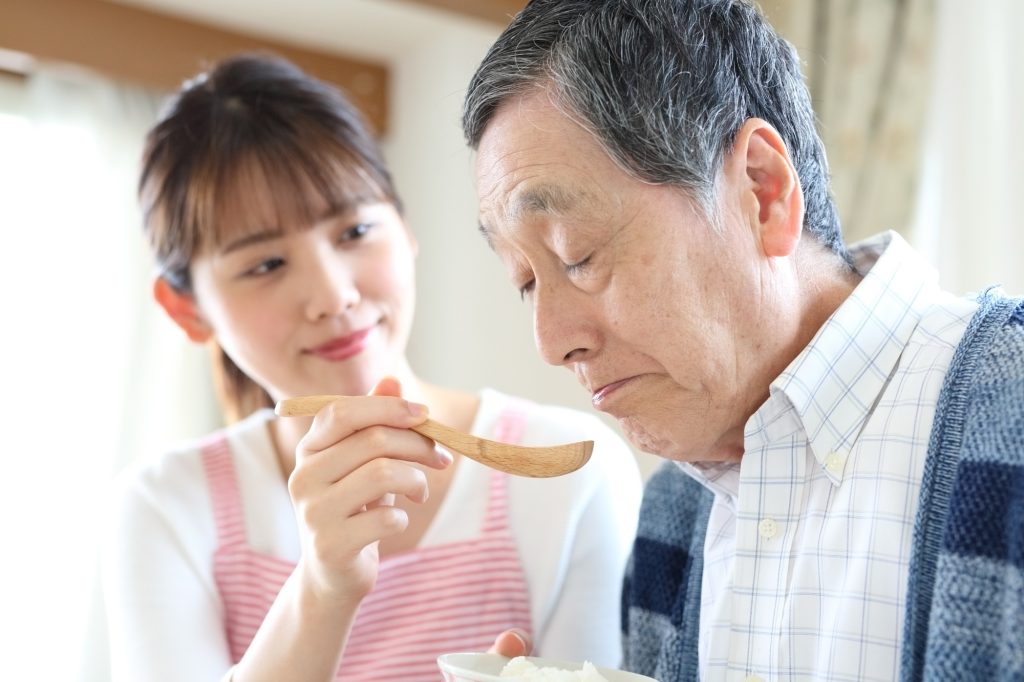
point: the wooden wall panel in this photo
(496, 11)
(160, 51)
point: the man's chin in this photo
(665, 445)
(645, 439)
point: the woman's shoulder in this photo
(178, 474)
(168, 500)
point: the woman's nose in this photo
(331, 288)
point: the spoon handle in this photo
(538, 462)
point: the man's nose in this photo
(562, 327)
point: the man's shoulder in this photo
(1002, 355)
(993, 386)
(982, 416)
(674, 505)
(670, 484)
(970, 566)
(989, 349)
(661, 593)
(981, 407)
(988, 366)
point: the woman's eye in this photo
(265, 267)
(356, 232)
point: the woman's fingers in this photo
(342, 520)
(358, 455)
(512, 643)
(338, 550)
(365, 488)
(382, 501)
(341, 460)
(343, 417)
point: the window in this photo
(84, 351)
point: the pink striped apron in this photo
(426, 602)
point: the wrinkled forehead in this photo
(528, 204)
(535, 159)
(260, 194)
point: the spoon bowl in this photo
(521, 460)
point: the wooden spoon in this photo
(536, 462)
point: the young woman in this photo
(345, 546)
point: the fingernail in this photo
(416, 409)
(522, 640)
(444, 455)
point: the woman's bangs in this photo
(290, 187)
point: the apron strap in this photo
(227, 501)
(509, 429)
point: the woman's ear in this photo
(181, 308)
(769, 179)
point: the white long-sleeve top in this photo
(573, 534)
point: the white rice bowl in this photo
(477, 667)
(520, 668)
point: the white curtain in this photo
(92, 378)
(968, 219)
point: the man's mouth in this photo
(603, 397)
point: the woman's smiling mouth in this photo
(343, 347)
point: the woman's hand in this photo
(350, 465)
(512, 643)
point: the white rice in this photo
(521, 669)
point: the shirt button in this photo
(767, 528)
(834, 462)
(753, 678)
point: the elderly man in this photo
(846, 496)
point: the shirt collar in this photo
(835, 382)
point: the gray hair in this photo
(664, 85)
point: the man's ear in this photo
(181, 308)
(771, 187)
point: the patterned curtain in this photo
(867, 63)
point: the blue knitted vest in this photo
(965, 609)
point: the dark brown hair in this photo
(250, 114)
